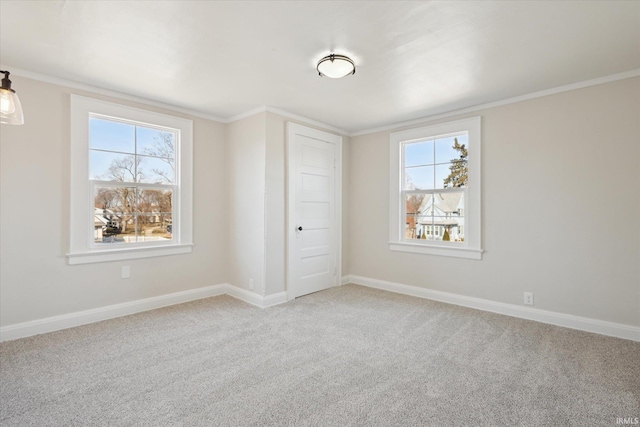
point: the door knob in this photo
(300, 228)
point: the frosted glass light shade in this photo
(336, 66)
(10, 108)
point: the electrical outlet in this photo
(250, 283)
(126, 272)
(528, 298)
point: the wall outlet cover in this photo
(528, 298)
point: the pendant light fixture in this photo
(336, 66)
(10, 107)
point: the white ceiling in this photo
(414, 59)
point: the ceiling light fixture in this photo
(10, 107)
(336, 66)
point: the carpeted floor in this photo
(348, 356)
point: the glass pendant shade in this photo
(10, 107)
(336, 66)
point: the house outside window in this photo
(131, 191)
(435, 189)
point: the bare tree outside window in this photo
(133, 155)
(164, 149)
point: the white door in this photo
(314, 210)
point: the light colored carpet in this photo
(346, 356)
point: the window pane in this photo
(111, 135)
(114, 219)
(418, 178)
(448, 228)
(448, 204)
(444, 176)
(418, 153)
(155, 200)
(154, 170)
(418, 227)
(424, 227)
(111, 166)
(157, 143)
(415, 217)
(154, 214)
(413, 203)
(154, 227)
(119, 219)
(445, 151)
(454, 152)
(457, 175)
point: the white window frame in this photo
(471, 248)
(82, 249)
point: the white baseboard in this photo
(50, 324)
(64, 321)
(256, 299)
(566, 320)
(274, 299)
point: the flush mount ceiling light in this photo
(336, 66)
(10, 107)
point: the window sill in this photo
(467, 253)
(95, 256)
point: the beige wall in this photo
(247, 156)
(275, 255)
(561, 207)
(561, 210)
(35, 280)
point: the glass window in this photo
(131, 173)
(438, 193)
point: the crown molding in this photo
(119, 95)
(108, 92)
(307, 120)
(289, 115)
(246, 114)
(526, 97)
